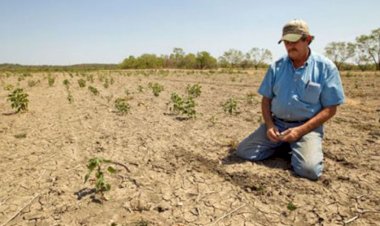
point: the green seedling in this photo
(97, 165)
(183, 105)
(70, 98)
(51, 80)
(156, 88)
(81, 82)
(90, 78)
(66, 83)
(140, 88)
(250, 97)
(93, 90)
(106, 83)
(291, 206)
(20, 135)
(122, 106)
(141, 223)
(194, 90)
(8, 87)
(19, 100)
(32, 83)
(230, 106)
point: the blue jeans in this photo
(307, 155)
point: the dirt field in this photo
(181, 172)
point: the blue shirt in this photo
(299, 94)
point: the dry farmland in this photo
(180, 168)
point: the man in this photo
(300, 92)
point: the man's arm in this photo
(272, 131)
(293, 134)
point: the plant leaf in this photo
(111, 169)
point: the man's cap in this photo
(294, 30)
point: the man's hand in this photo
(290, 135)
(273, 134)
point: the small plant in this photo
(106, 83)
(51, 80)
(8, 87)
(183, 105)
(66, 83)
(101, 185)
(81, 82)
(213, 120)
(19, 100)
(250, 97)
(141, 223)
(140, 88)
(230, 106)
(70, 98)
(291, 206)
(20, 135)
(97, 164)
(233, 145)
(156, 88)
(90, 78)
(32, 83)
(194, 90)
(93, 90)
(122, 106)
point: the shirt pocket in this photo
(312, 92)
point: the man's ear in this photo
(309, 39)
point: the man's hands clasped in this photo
(289, 135)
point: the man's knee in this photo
(308, 170)
(253, 152)
(243, 152)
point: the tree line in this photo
(363, 53)
(232, 58)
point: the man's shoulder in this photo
(321, 59)
(280, 61)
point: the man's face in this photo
(297, 50)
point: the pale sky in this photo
(63, 32)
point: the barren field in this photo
(182, 171)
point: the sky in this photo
(66, 32)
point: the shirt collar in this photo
(308, 61)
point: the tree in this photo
(149, 61)
(259, 56)
(128, 63)
(369, 47)
(177, 57)
(232, 58)
(340, 52)
(190, 61)
(205, 61)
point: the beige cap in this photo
(294, 30)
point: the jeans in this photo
(307, 155)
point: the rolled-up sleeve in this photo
(332, 90)
(266, 87)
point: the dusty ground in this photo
(180, 170)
